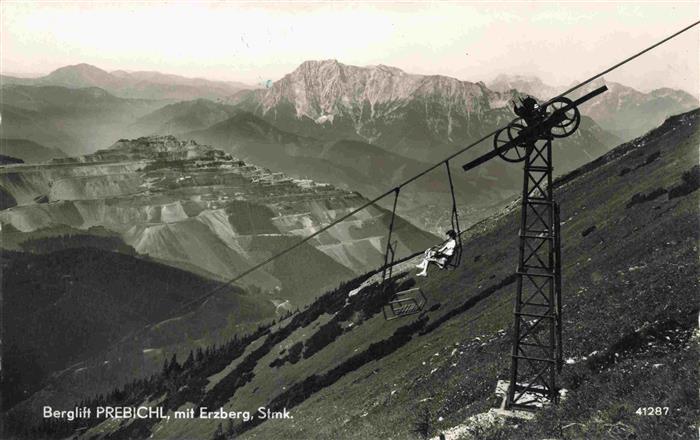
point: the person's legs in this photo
(429, 258)
(423, 265)
(440, 262)
(438, 259)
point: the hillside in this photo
(630, 228)
(34, 126)
(28, 151)
(9, 160)
(63, 307)
(351, 165)
(182, 117)
(77, 121)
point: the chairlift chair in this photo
(411, 301)
(405, 303)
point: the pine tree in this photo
(189, 361)
(174, 366)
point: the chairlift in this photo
(405, 303)
(411, 301)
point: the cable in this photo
(408, 181)
(576, 87)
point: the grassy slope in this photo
(629, 313)
(634, 275)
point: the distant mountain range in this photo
(74, 120)
(143, 85)
(364, 128)
(621, 110)
(526, 84)
(417, 116)
(360, 128)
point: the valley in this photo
(176, 206)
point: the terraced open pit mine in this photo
(198, 208)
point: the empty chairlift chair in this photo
(405, 302)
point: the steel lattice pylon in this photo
(536, 354)
(536, 351)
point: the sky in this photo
(255, 42)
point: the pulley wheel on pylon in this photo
(507, 134)
(565, 121)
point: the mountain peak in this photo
(323, 89)
(80, 75)
(318, 67)
(83, 68)
(327, 62)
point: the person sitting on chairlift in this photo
(439, 255)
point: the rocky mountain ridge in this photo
(320, 90)
(378, 104)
